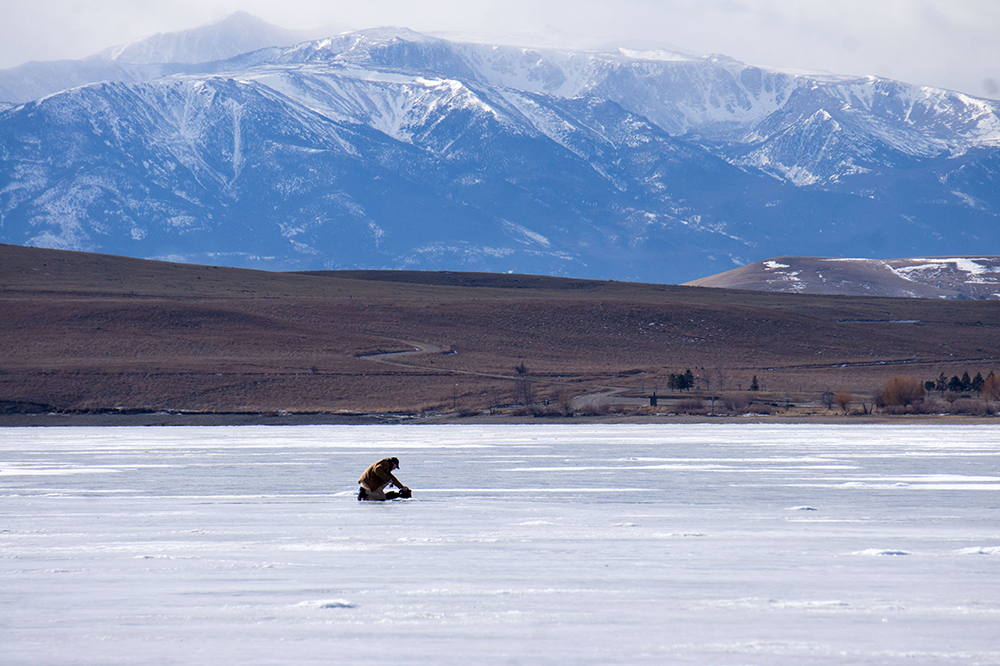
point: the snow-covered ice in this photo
(532, 544)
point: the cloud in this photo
(945, 43)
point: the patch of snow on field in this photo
(789, 280)
(540, 544)
(972, 266)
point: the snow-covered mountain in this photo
(238, 33)
(386, 148)
(148, 58)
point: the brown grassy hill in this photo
(922, 277)
(83, 331)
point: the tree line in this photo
(905, 391)
(957, 384)
(685, 381)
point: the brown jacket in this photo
(377, 475)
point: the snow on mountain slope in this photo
(388, 148)
(809, 131)
(245, 171)
(151, 161)
(392, 104)
(721, 98)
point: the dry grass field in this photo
(85, 332)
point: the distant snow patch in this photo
(181, 221)
(850, 259)
(526, 234)
(969, 201)
(965, 264)
(934, 267)
(772, 265)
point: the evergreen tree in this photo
(754, 386)
(977, 383)
(942, 384)
(966, 382)
(955, 384)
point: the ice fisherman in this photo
(377, 477)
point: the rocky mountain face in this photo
(390, 149)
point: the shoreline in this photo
(20, 420)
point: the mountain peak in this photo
(240, 17)
(238, 33)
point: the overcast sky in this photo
(952, 44)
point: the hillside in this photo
(921, 277)
(93, 332)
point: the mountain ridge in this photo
(386, 148)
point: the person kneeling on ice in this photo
(377, 477)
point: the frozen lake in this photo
(535, 544)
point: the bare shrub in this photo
(592, 410)
(691, 406)
(902, 391)
(917, 407)
(523, 384)
(969, 406)
(734, 403)
(843, 400)
(991, 387)
(540, 411)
